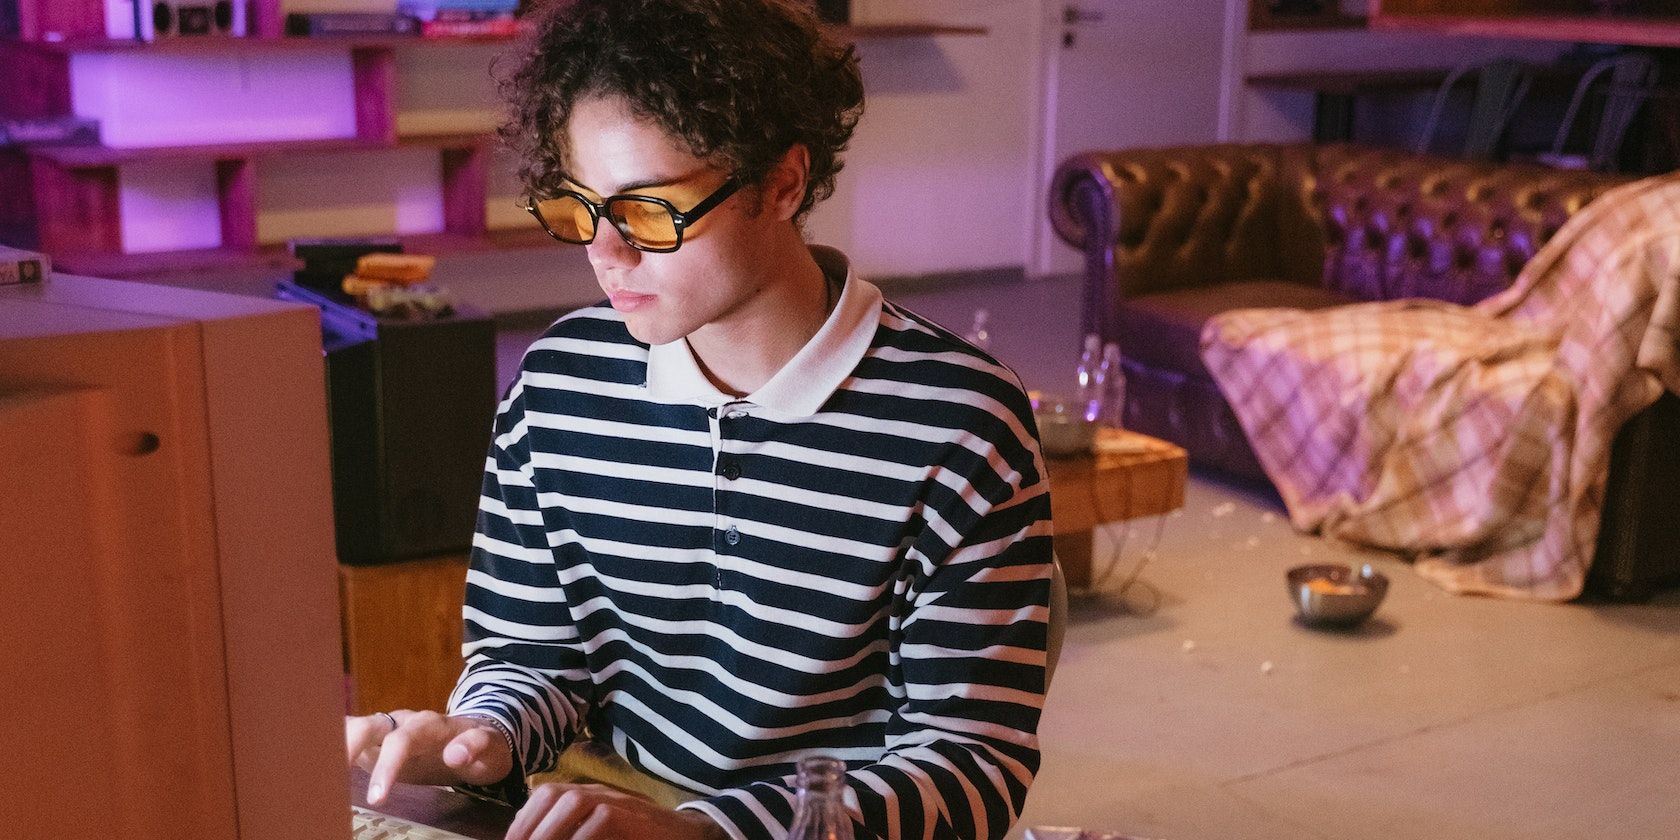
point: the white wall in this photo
(938, 174)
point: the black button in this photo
(732, 536)
(731, 470)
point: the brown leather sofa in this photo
(1174, 236)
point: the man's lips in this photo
(625, 301)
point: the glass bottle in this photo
(820, 813)
(1089, 396)
(1113, 376)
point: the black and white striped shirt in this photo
(854, 560)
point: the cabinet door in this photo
(113, 642)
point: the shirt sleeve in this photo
(962, 747)
(524, 665)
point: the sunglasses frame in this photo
(680, 220)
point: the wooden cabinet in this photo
(402, 632)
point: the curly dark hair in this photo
(738, 81)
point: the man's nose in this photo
(609, 250)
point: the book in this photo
(18, 266)
(458, 10)
(500, 27)
(327, 24)
(68, 130)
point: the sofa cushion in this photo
(1164, 330)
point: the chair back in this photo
(1633, 76)
(1500, 88)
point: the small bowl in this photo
(1334, 595)
(1063, 431)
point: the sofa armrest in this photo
(1151, 220)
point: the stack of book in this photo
(461, 18)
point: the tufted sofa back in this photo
(1371, 224)
(1397, 224)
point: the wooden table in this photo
(1131, 475)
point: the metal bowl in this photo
(1334, 595)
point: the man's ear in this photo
(784, 185)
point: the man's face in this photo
(663, 297)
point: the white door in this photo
(1127, 74)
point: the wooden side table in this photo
(1131, 475)
(402, 632)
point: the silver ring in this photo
(389, 719)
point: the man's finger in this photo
(479, 756)
(466, 748)
(542, 798)
(360, 737)
(563, 820)
(393, 752)
(599, 825)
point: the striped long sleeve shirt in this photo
(853, 561)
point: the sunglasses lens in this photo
(568, 219)
(646, 223)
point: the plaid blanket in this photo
(1475, 438)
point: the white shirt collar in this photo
(801, 387)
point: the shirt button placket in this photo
(729, 469)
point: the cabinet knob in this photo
(139, 443)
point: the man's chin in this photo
(650, 331)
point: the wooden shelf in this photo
(363, 42)
(119, 266)
(866, 31)
(89, 157)
(275, 257)
(499, 239)
(1641, 32)
(223, 45)
(1350, 82)
(1264, 22)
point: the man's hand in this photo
(598, 812)
(425, 748)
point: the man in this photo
(748, 512)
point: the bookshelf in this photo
(73, 199)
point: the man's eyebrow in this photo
(644, 184)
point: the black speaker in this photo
(190, 18)
(835, 11)
(411, 404)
